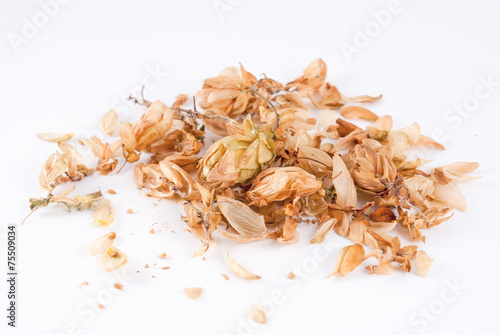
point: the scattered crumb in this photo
(147, 266)
(153, 276)
(204, 258)
(101, 306)
(119, 286)
(130, 211)
(291, 275)
(165, 268)
(163, 255)
(225, 276)
(152, 231)
(83, 284)
(111, 191)
(138, 271)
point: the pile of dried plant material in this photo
(272, 168)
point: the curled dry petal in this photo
(109, 122)
(54, 137)
(325, 227)
(257, 313)
(241, 217)
(384, 268)
(312, 79)
(239, 270)
(429, 142)
(457, 171)
(422, 262)
(102, 244)
(193, 292)
(104, 214)
(281, 183)
(358, 112)
(349, 258)
(383, 214)
(112, 259)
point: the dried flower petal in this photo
(239, 270)
(112, 259)
(422, 262)
(102, 244)
(241, 217)
(104, 214)
(257, 313)
(109, 122)
(325, 227)
(349, 258)
(358, 112)
(54, 137)
(193, 292)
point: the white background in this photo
(431, 56)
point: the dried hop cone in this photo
(237, 158)
(372, 172)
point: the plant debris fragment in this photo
(257, 313)
(193, 292)
(272, 167)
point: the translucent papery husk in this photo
(220, 125)
(315, 161)
(281, 183)
(152, 126)
(104, 152)
(312, 79)
(333, 99)
(235, 159)
(182, 138)
(271, 232)
(165, 180)
(188, 163)
(289, 119)
(226, 94)
(62, 168)
(296, 139)
(201, 221)
(112, 259)
(241, 217)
